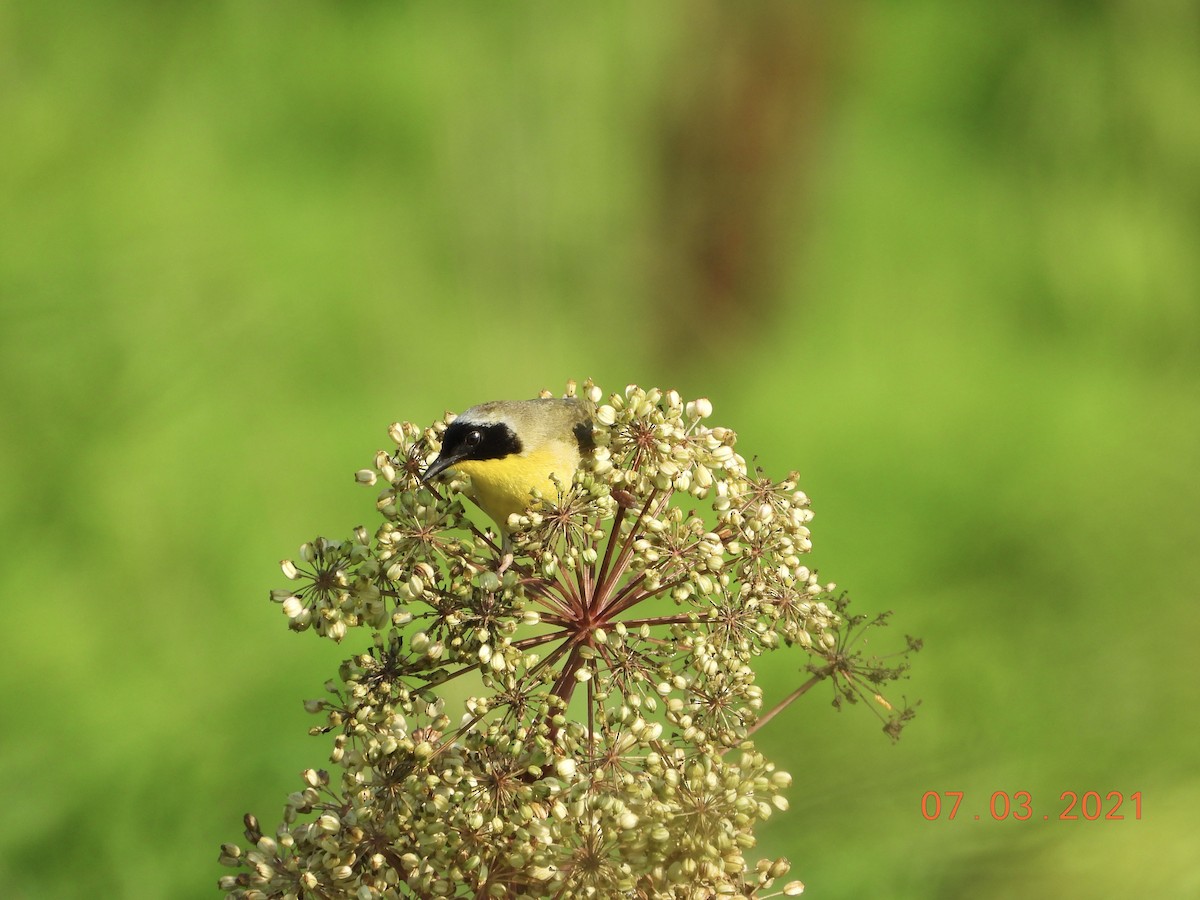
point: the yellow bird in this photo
(512, 447)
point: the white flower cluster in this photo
(605, 750)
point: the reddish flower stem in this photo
(789, 700)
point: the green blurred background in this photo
(941, 257)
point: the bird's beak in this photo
(437, 467)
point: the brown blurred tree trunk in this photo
(740, 114)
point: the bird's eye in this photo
(473, 439)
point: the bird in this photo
(512, 447)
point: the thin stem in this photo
(613, 534)
(600, 598)
(789, 700)
(542, 639)
(619, 605)
(550, 660)
(658, 620)
(463, 671)
(551, 594)
(561, 621)
(612, 606)
(567, 590)
(591, 711)
(585, 585)
(582, 598)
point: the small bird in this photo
(511, 447)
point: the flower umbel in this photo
(604, 747)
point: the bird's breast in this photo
(502, 487)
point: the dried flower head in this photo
(605, 749)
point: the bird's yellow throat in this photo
(503, 486)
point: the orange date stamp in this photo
(1090, 806)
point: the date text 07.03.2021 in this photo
(1091, 806)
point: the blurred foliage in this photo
(954, 243)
